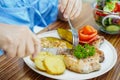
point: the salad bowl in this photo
(107, 16)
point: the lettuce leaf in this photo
(110, 6)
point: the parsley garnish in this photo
(84, 51)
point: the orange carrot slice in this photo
(88, 29)
(87, 34)
(89, 41)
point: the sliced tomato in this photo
(117, 8)
(118, 5)
(100, 13)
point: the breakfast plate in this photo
(109, 62)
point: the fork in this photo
(74, 34)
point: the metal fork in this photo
(74, 33)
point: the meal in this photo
(53, 64)
(84, 58)
(107, 15)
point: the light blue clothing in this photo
(28, 12)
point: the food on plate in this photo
(65, 34)
(84, 51)
(86, 57)
(52, 42)
(87, 34)
(38, 60)
(83, 58)
(48, 62)
(85, 64)
(98, 41)
(54, 65)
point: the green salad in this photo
(105, 8)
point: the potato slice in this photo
(39, 64)
(54, 65)
(60, 56)
(39, 60)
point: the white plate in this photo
(109, 62)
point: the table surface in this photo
(16, 69)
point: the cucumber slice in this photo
(112, 28)
(110, 20)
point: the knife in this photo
(57, 50)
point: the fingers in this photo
(69, 8)
(29, 46)
(77, 11)
(20, 42)
(36, 45)
(37, 50)
(11, 51)
(63, 4)
(21, 49)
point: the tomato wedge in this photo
(100, 13)
(117, 7)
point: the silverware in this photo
(74, 34)
(57, 50)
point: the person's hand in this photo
(18, 41)
(69, 8)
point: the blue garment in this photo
(28, 12)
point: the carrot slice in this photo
(89, 41)
(88, 29)
(85, 37)
(87, 34)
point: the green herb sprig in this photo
(84, 51)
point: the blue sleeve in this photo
(1, 52)
(28, 12)
(48, 10)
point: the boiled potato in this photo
(54, 65)
(39, 64)
(60, 56)
(39, 60)
(44, 62)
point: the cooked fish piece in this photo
(98, 41)
(52, 42)
(101, 55)
(86, 65)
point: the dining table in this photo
(16, 68)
